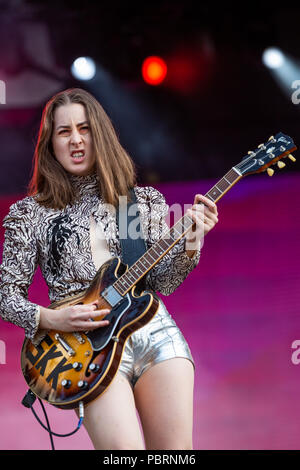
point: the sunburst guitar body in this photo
(66, 368)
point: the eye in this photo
(64, 131)
(84, 129)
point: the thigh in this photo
(111, 420)
(164, 399)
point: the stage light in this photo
(83, 68)
(154, 70)
(273, 58)
(287, 76)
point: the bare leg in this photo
(164, 399)
(111, 420)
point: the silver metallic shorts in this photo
(158, 340)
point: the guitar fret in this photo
(232, 175)
(154, 259)
(147, 260)
(121, 288)
(179, 233)
(223, 185)
(130, 275)
(138, 270)
(126, 282)
(142, 261)
(210, 197)
(214, 193)
(163, 240)
(155, 251)
(187, 223)
(171, 232)
(236, 172)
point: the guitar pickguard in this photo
(100, 338)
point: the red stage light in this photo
(154, 70)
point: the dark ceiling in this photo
(218, 100)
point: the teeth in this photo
(78, 155)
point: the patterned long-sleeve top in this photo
(59, 242)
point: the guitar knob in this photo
(280, 164)
(82, 384)
(290, 156)
(94, 367)
(77, 366)
(66, 383)
(270, 171)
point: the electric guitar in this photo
(68, 368)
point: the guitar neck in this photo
(225, 183)
(172, 236)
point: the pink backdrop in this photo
(239, 311)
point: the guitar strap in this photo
(132, 241)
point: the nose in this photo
(76, 138)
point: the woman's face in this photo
(72, 140)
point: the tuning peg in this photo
(280, 164)
(271, 138)
(270, 171)
(290, 156)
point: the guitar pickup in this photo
(112, 296)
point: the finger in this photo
(203, 215)
(95, 306)
(206, 201)
(91, 325)
(210, 215)
(94, 314)
(85, 307)
(95, 303)
(197, 216)
(197, 224)
(203, 222)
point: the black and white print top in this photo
(59, 242)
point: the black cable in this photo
(28, 401)
(47, 421)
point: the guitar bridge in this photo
(65, 345)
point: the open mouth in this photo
(78, 156)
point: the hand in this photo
(73, 318)
(204, 213)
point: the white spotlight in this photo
(83, 68)
(273, 58)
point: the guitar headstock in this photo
(268, 154)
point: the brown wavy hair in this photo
(50, 182)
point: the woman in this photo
(67, 225)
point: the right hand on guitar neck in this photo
(73, 318)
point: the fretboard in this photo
(172, 236)
(222, 186)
